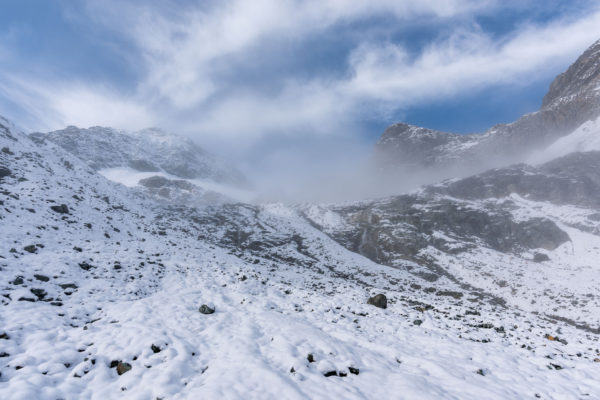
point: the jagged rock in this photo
(85, 266)
(205, 309)
(61, 209)
(123, 367)
(30, 248)
(18, 280)
(42, 278)
(39, 293)
(378, 301)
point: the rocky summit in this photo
(572, 100)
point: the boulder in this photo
(378, 301)
(205, 309)
(4, 172)
(62, 209)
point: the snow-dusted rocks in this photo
(172, 168)
(572, 100)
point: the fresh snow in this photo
(134, 273)
(584, 138)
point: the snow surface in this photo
(584, 138)
(131, 178)
(134, 273)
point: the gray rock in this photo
(61, 209)
(123, 367)
(30, 248)
(378, 301)
(204, 309)
(4, 172)
(540, 257)
(42, 278)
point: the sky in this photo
(281, 85)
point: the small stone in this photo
(378, 301)
(85, 266)
(204, 309)
(417, 322)
(123, 367)
(353, 370)
(32, 248)
(18, 280)
(540, 257)
(42, 278)
(310, 358)
(330, 373)
(39, 293)
(68, 286)
(62, 209)
(155, 348)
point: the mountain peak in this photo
(581, 76)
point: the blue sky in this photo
(288, 80)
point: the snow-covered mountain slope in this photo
(572, 100)
(128, 157)
(527, 237)
(98, 278)
(583, 139)
(101, 287)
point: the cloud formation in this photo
(237, 73)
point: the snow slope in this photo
(584, 138)
(120, 277)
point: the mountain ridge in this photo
(573, 98)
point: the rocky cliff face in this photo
(573, 99)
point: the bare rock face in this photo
(572, 179)
(573, 99)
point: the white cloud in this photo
(184, 60)
(465, 61)
(51, 106)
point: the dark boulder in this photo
(31, 248)
(4, 172)
(204, 309)
(42, 278)
(62, 209)
(378, 301)
(123, 367)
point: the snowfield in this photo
(100, 300)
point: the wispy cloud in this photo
(236, 72)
